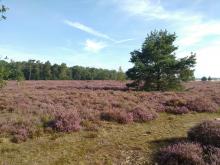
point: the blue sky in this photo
(102, 33)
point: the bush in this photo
(177, 110)
(175, 103)
(207, 133)
(125, 117)
(20, 130)
(212, 155)
(140, 115)
(176, 106)
(109, 116)
(202, 105)
(20, 135)
(120, 117)
(66, 121)
(204, 78)
(181, 154)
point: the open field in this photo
(31, 105)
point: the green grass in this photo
(111, 144)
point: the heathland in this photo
(97, 122)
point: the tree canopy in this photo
(204, 78)
(156, 66)
(36, 70)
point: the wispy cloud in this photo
(207, 59)
(124, 40)
(87, 29)
(94, 32)
(192, 27)
(150, 9)
(198, 31)
(94, 46)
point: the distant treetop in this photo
(204, 78)
(36, 70)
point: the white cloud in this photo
(87, 29)
(191, 27)
(94, 46)
(198, 31)
(208, 60)
(94, 32)
(150, 9)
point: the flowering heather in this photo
(140, 115)
(125, 117)
(188, 154)
(181, 154)
(34, 100)
(120, 117)
(20, 135)
(176, 102)
(207, 133)
(176, 106)
(177, 110)
(180, 106)
(202, 105)
(211, 155)
(66, 121)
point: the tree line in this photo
(36, 70)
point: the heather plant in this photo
(175, 103)
(177, 110)
(66, 121)
(140, 115)
(180, 106)
(184, 153)
(20, 135)
(211, 155)
(207, 133)
(20, 130)
(202, 105)
(176, 106)
(125, 117)
(120, 117)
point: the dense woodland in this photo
(36, 70)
